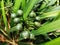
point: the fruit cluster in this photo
(32, 23)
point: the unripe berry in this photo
(16, 20)
(38, 18)
(19, 26)
(13, 15)
(20, 12)
(25, 34)
(37, 24)
(32, 14)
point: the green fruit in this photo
(37, 24)
(16, 20)
(13, 15)
(32, 14)
(19, 26)
(32, 36)
(38, 18)
(25, 34)
(20, 12)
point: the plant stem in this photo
(11, 42)
(7, 6)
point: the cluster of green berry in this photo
(32, 23)
(16, 19)
(34, 20)
(27, 35)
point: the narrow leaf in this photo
(53, 42)
(28, 8)
(43, 5)
(49, 27)
(16, 5)
(3, 14)
(51, 2)
(49, 14)
(23, 4)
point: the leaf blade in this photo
(3, 14)
(16, 5)
(53, 26)
(53, 42)
(28, 8)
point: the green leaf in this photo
(13, 29)
(49, 14)
(43, 5)
(3, 14)
(49, 27)
(53, 8)
(23, 4)
(17, 5)
(38, 1)
(53, 42)
(51, 2)
(28, 8)
(57, 17)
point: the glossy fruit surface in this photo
(32, 14)
(38, 18)
(16, 20)
(13, 15)
(25, 34)
(19, 26)
(37, 24)
(20, 12)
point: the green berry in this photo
(25, 34)
(20, 12)
(13, 15)
(38, 18)
(32, 14)
(16, 20)
(37, 24)
(19, 26)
